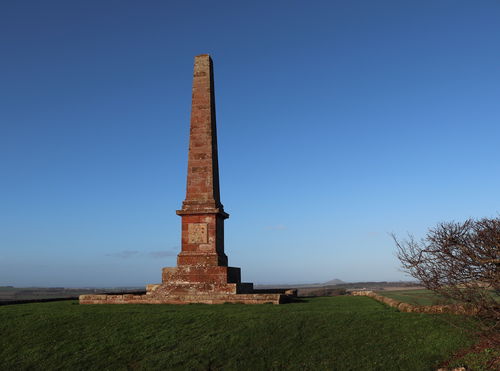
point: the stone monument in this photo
(202, 274)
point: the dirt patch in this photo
(482, 355)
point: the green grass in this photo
(335, 333)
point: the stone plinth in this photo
(185, 299)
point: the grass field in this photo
(335, 333)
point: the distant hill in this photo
(335, 281)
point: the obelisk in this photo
(202, 212)
(202, 259)
(202, 274)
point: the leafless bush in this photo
(461, 262)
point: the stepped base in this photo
(185, 299)
(181, 291)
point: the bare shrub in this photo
(460, 262)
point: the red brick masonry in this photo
(202, 274)
(196, 297)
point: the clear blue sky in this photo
(339, 122)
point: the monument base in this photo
(188, 285)
(185, 299)
(190, 294)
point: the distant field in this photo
(14, 294)
(340, 333)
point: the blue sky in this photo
(339, 122)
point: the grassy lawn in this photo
(334, 333)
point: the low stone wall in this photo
(182, 292)
(200, 298)
(410, 308)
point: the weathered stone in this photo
(405, 307)
(202, 274)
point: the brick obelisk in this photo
(202, 212)
(202, 258)
(202, 274)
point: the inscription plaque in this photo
(197, 233)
